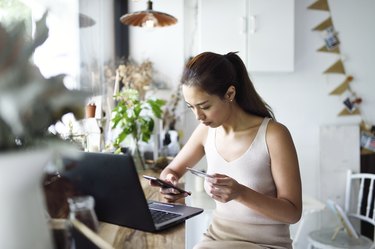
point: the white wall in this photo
(163, 46)
(301, 99)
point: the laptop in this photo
(114, 183)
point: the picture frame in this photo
(343, 219)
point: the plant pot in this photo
(90, 111)
(23, 212)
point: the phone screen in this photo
(165, 184)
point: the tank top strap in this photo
(263, 125)
(259, 142)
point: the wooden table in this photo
(121, 237)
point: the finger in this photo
(211, 180)
(214, 189)
(153, 183)
(218, 192)
(174, 192)
(173, 197)
(171, 178)
(225, 181)
(169, 191)
(215, 197)
(217, 175)
(217, 179)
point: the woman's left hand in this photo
(223, 188)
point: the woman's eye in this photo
(205, 107)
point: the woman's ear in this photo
(230, 94)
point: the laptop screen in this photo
(114, 183)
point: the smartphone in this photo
(199, 173)
(165, 184)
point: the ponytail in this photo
(246, 95)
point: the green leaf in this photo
(156, 107)
(147, 127)
(121, 137)
(137, 110)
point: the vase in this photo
(23, 215)
(133, 147)
(138, 159)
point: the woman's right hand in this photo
(170, 194)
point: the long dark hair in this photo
(214, 73)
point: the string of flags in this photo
(350, 100)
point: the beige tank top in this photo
(252, 169)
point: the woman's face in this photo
(210, 110)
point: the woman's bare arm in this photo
(189, 155)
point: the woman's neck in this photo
(240, 120)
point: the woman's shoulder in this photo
(200, 133)
(276, 130)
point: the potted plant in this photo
(29, 105)
(135, 119)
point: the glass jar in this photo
(82, 209)
(61, 233)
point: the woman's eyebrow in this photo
(198, 104)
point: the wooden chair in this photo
(359, 204)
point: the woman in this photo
(256, 181)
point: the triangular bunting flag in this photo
(345, 112)
(365, 151)
(338, 67)
(324, 25)
(342, 87)
(363, 126)
(319, 5)
(335, 50)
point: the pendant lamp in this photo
(148, 18)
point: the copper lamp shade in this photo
(148, 18)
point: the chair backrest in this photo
(360, 196)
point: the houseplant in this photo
(135, 119)
(29, 105)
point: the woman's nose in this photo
(199, 115)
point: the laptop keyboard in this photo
(162, 216)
